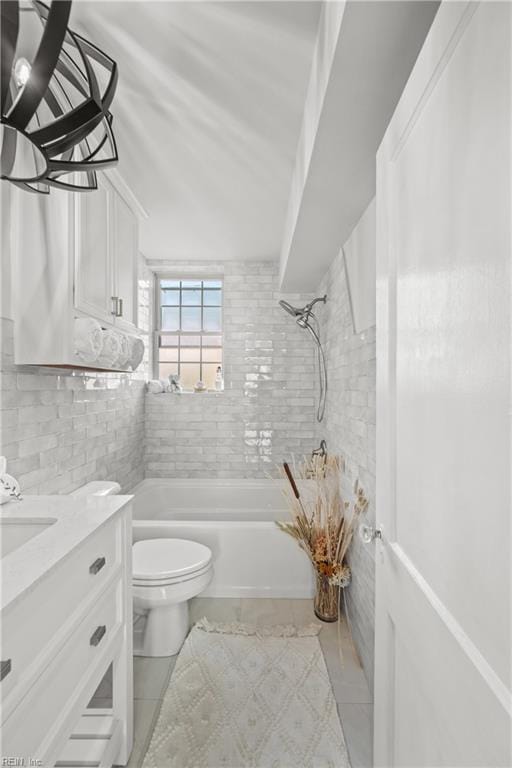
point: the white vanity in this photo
(66, 615)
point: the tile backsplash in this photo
(60, 429)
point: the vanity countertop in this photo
(76, 518)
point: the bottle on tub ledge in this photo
(219, 379)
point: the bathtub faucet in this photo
(321, 451)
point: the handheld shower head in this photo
(302, 316)
(301, 313)
(293, 311)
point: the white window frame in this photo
(157, 331)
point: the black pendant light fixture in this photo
(56, 92)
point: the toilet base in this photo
(165, 630)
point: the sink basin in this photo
(16, 531)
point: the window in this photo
(188, 335)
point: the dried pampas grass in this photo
(322, 522)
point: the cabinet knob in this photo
(97, 635)
(97, 565)
(5, 668)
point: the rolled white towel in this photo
(154, 386)
(87, 339)
(124, 354)
(111, 349)
(136, 351)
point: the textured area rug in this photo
(247, 697)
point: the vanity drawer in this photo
(50, 698)
(34, 629)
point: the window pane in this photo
(170, 318)
(212, 283)
(189, 354)
(211, 319)
(212, 297)
(167, 369)
(169, 283)
(170, 297)
(190, 341)
(169, 341)
(168, 355)
(190, 283)
(212, 341)
(191, 297)
(209, 373)
(191, 319)
(212, 355)
(189, 374)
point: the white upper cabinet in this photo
(76, 256)
(106, 241)
(125, 250)
(93, 248)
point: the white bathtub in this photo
(235, 518)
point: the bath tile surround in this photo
(266, 411)
(349, 428)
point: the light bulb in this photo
(22, 71)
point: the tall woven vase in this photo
(327, 597)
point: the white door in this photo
(126, 231)
(443, 645)
(93, 270)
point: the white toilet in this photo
(167, 573)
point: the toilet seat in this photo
(167, 582)
(161, 562)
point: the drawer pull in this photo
(5, 668)
(97, 566)
(97, 635)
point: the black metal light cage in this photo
(56, 128)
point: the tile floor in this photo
(151, 676)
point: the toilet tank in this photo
(98, 488)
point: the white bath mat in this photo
(242, 697)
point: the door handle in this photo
(119, 312)
(5, 668)
(115, 303)
(97, 565)
(97, 635)
(367, 533)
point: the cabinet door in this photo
(93, 271)
(126, 235)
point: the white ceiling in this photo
(207, 117)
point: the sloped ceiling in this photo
(207, 117)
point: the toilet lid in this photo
(168, 558)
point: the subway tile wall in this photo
(349, 428)
(61, 429)
(265, 413)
